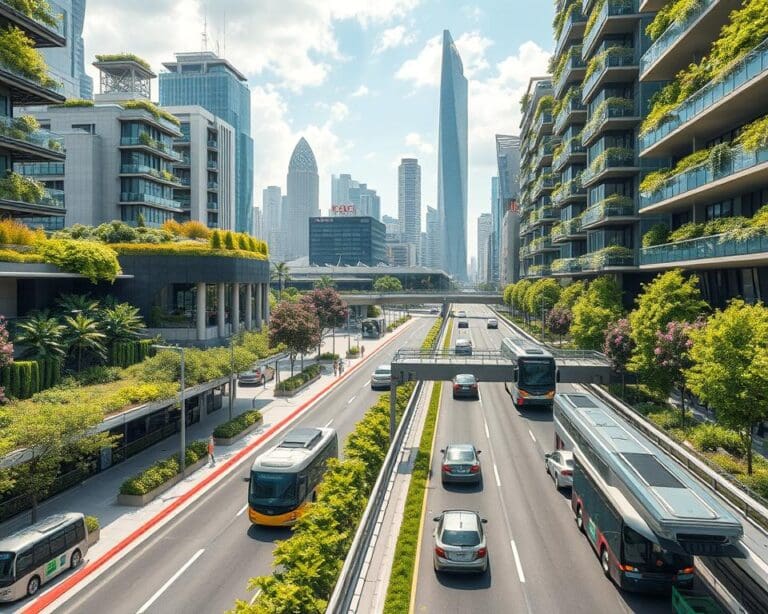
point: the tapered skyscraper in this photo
(303, 199)
(452, 161)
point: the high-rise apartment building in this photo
(302, 200)
(67, 64)
(409, 200)
(206, 80)
(509, 261)
(508, 184)
(434, 238)
(350, 197)
(484, 231)
(452, 161)
(401, 254)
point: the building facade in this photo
(434, 239)
(509, 261)
(484, 231)
(452, 161)
(346, 240)
(271, 207)
(206, 170)
(206, 80)
(401, 254)
(508, 183)
(67, 64)
(409, 200)
(301, 201)
(350, 197)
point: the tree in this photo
(70, 304)
(507, 294)
(730, 367)
(84, 337)
(669, 297)
(593, 311)
(229, 240)
(372, 311)
(6, 357)
(541, 296)
(215, 240)
(672, 354)
(325, 281)
(281, 273)
(41, 336)
(121, 323)
(387, 283)
(559, 321)
(518, 295)
(570, 294)
(617, 347)
(331, 310)
(295, 325)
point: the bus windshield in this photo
(272, 488)
(537, 373)
(6, 566)
(645, 555)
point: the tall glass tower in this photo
(452, 161)
(205, 79)
(303, 199)
(67, 64)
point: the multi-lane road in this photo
(212, 540)
(539, 561)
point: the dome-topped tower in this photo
(302, 158)
(302, 200)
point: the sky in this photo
(359, 79)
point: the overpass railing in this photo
(490, 356)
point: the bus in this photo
(534, 375)
(284, 479)
(373, 328)
(33, 556)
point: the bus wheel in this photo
(580, 519)
(33, 585)
(75, 560)
(604, 562)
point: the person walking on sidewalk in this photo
(211, 449)
(341, 366)
(362, 352)
(335, 367)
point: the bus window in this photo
(24, 563)
(302, 488)
(6, 567)
(42, 552)
(536, 373)
(273, 488)
(58, 543)
(645, 555)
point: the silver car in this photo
(381, 377)
(560, 466)
(460, 543)
(461, 463)
(258, 376)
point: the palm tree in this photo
(121, 323)
(84, 337)
(325, 281)
(42, 337)
(281, 273)
(77, 303)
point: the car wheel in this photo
(557, 481)
(546, 468)
(74, 561)
(33, 586)
(580, 519)
(605, 562)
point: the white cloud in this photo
(414, 139)
(394, 37)
(424, 69)
(360, 91)
(339, 111)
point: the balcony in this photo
(572, 190)
(687, 39)
(542, 124)
(613, 16)
(613, 162)
(743, 250)
(543, 215)
(614, 210)
(613, 64)
(29, 201)
(611, 114)
(613, 257)
(183, 161)
(145, 141)
(571, 152)
(572, 70)
(213, 143)
(715, 108)
(213, 185)
(213, 205)
(26, 88)
(42, 34)
(213, 164)
(565, 266)
(27, 142)
(572, 27)
(741, 171)
(142, 169)
(537, 246)
(546, 181)
(567, 231)
(573, 111)
(544, 152)
(132, 198)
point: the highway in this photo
(202, 559)
(539, 561)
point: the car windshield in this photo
(384, 371)
(465, 379)
(537, 372)
(641, 552)
(569, 462)
(6, 566)
(454, 454)
(461, 538)
(272, 488)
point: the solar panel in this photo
(581, 400)
(301, 438)
(651, 470)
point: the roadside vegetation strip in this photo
(398, 322)
(299, 379)
(234, 427)
(404, 564)
(163, 470)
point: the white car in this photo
(462, 314)
(459, 542)
(559, 465)
(381, 377)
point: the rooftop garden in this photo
(18, 54)
(156, 111)
(123, 57)
(39, 10)
(73, 102)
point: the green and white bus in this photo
(35, 555)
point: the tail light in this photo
(685, 571)
(456, 386)
(520, 401)
(474, 468)
(627, 568)
(440, 552)
(446, 468)
(481, 552)
(567, 472)
(474, 386)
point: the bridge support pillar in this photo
(444, 312)
(392, 409)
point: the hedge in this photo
(237, 425)
(92, 523)
(163, 470)
(182, 248)
(327, 356)
(23, 378)
(398, 322)
(127, 353)
(295, 381)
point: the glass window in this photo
(461, 538)
(42, 552)
(24, 563)
(6, 566)
(272, 488)
(58, 543)
(460, 455)
(537, 372)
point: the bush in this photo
(712, 437)
(758, 481)
(665, 419)
(328, 356)
(97, 375)
(162, 471)
(728, 463)
(298, 380)
(184, 248)
(237, 425)
(95, 261)
(658, 234)
(21, 379)
(91, 523)
(353, 351)
(13, 232)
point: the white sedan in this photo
(559, 465)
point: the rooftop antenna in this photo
(224, 36)
(205, 28)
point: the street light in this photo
(231, 373)
(182, 453)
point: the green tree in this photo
(325, 281)
(17, 51)
(593, 311)
(121, 323)
(280, 272)
(387, 283)
(215, 240)
(570, 294)
(518, 295)
(296, 326)
(41, 336)
(507, 294)
(730, 367)
(372, 311)
(229, 240)
(70, 304)
(541, 297)
(84, 338)
(669, 297)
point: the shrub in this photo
(229, 240)
(665, 419)
(758, 481)
(712, 437)
(97, 375)
(95, 261)
(327, 356)
(195, 230)
(691, 230)
(17, 51)
(123, 57)
(162, 471)
(353, 351)
(156, 111)
(13, 232)
(728, 463)
(8, 255)
(237, 425)
(182, 248)
(298, 380)
(658, 234)
(215, 240)
(91, 523)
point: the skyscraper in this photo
(350, 197)
(203, 78)
(303, 199)
(434, 238)
(452, 161)
(409, 200)
(67, 64)
(508, 161)
(484, 230)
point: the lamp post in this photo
(182, 453)
(231, 374)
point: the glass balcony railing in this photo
(213, 185)
(572, 147)
(574, 16)
(609, 8)
(574, 105)
(57, 27)
(539, 270)
(574, 62)
(39, 169)
(615, 57)
(18, 129)
(150, 199)
(148, 170)
(611, 158)
(145, 140)
(568, 190)
(213, 164)
(544, 119)
(678, 185)
(611, 108)
(750, 67)
(544, 182)
(49, 198)
(212, 204)
(568, 228)
(213, 143)
(713, 246)
(608, 257)
(566, 265)
(668, 38)
(603, 211)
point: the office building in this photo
(350, 240)
(423, 249)
(301, 200)
(509, 261)
(350, 197)
(409, 200)
(484, 231)
(434, 238)
(206, 170)
(272, 211)
(340, 186)
(121, 152)
(452, 161)
(206, 80)
(401, 254)
(507, 183)
(258, 223)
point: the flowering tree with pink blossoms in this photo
(559, 321)
(6, 351)
(618, 347)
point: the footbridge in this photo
(420, 297)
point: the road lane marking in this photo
(242, 510)
(496, 473)
(479, 396)
(255, 596)
(487, 433)
(352, 399)
(171, 580)
(531, 434)
(519, 565)
(368, 383)
(329, 423)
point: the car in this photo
(462, 314)
(559, 465)
(434, 310)
(465, 385)
(461, 463)
(460, 542)
(381, 377)
(258, 376)
(463, 324)
(463, 347)
(492, 323)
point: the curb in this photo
(59, 590)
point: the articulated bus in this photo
(284, 479)
(534, 375)
(373, 328)
(37, 554)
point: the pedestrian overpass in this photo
(420, 297)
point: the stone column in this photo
(265, 295)
(235, 311)
(221, 321)
(202, 323)
(259, 304)
(248, 306)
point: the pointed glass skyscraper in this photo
(452, 161)
(303, 199)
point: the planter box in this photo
(228, 441)
(350, 356)
(93, 537)
(295, 391)
(141, 500)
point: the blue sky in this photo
(358, 79)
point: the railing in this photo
(572, 147)
(714, 246)
(566, 265)
(602, 164)
(147, 141)
(213, 185)
(604, 211)
(148, 170)
(39, 169)
(545, 117)
(213, 143)
(57, 27)
(544, 182)
(668, 38)
(574, 105)
(599, 260)
(50, 198)
(212, 205)
(435, 356)
(150, 199)
(569, 189)
(574, 62)
(213, 164)
(610, 8)
(748, 68)
(617, 59)
(567, 228)
(613, 109)
(574, 17)
(54, 86)
(16, 128)
(699, 176)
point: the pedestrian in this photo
(362, 351)
(211, 448)
(335, 367)
(341, 366)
